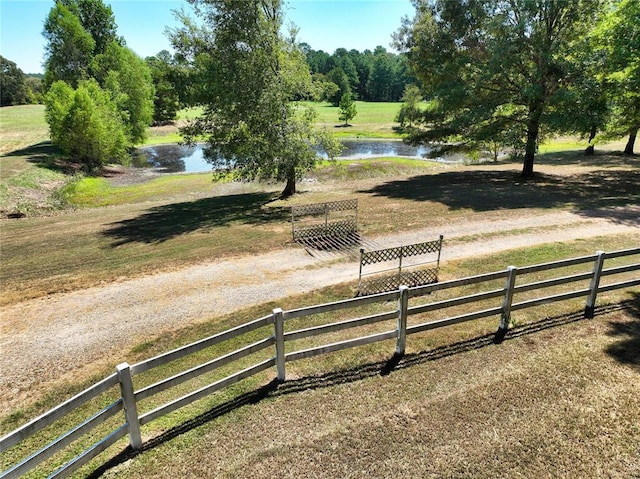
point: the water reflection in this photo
(178, 158)
(171, 158)
(359, 149)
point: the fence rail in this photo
(130, 398)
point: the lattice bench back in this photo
(422, 268)
(321, 220)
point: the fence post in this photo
(505, 316)
(326, 219)
(130, 408)
(278, 321)
(403, 306)
(590, 307)
(360, 273)
(356, 219)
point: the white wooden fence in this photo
(628, 262)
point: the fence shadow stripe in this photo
(380, 368)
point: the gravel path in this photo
(70, 334)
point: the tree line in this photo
(496, 75)
(367, 76)
(17, 87)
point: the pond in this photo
(184, 159)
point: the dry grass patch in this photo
(550, 401)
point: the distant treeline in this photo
(18, 88)
(376, 75)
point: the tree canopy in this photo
(86, 123)
(368, 76)
(618, 38)
(250, 74)
(493, 68)
(110, 83)
(13, 85)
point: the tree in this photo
(166, 101)
(347, 109)
(97, 19)
(35, 88)
(317, 60)
(69, 47)
(342, 59)
(86, 123)
(410, 110)
(82, 45)
(338, 77)
(620, 41)
(251, 74)
(13, 87)
(493, 65)
(120, 71)
(57, 102)
(76, 31)
(364, 64)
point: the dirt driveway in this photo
(70, 335)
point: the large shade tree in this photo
(618, 35)
(249, 76)
(493, 67)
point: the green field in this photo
(374, 120)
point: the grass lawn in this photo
(554, 400)
(23, 132)
(21, 127)
(373, 120)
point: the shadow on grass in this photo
(602, 159)
(46, 155)
(627, 351)
(39, 151)
(162, 223)
(380, 368)
(487, 190)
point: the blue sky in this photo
(324, 24)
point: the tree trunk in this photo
(533, 129)
(290, 188)
(628, 150)
(530, 151)
(590, 151)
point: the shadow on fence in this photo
(380, 368)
